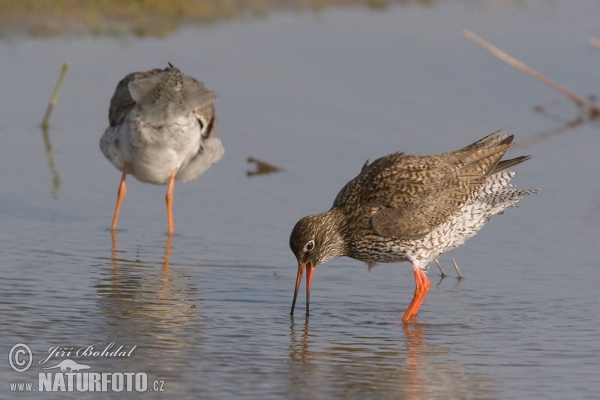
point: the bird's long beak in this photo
(310, 269)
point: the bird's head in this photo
(314, 240)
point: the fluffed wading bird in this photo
(162, 128)
(410, 208)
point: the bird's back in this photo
(430, 203)
(159, 88)
(162, 121)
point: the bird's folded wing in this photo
(197, 95)
(409, 196)
(122, 102)
(140, 88)
(415, 218)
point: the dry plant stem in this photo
(440, 267)
(456, 268)
(581, 102)
(55, 94)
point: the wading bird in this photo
(162, 128)
(410, 208)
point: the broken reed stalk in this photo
(513, 62)
(440, 267)
(55, 94)
(456, 268)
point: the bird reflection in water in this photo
(300, 345)
(149, 300)
(414, 344)
(387, 363)
(418, 358)
(150, 304)
(163, 291)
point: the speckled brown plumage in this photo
(411, 208)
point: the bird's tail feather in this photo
(506, 164)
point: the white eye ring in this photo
(309, 246)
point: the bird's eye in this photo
(310, 245)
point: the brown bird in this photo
(162, 128)
(410, 208)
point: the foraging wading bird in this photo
(410, 208)
(162, 128)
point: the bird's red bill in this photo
(309, 274)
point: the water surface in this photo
(317, 95)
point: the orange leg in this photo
(421, 289)
(169, 199)
(425, 289)
(120, 195)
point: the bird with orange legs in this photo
(162, 129)
(410, 208)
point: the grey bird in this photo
(162, 128)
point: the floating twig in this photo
(440, 267)
(588, 107)
(55, 94)
(261, 167)
(457, 270)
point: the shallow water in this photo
(317, 95)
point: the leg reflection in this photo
(167, 257)
(415, 358)
(300, 345)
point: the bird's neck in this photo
(335, 243)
